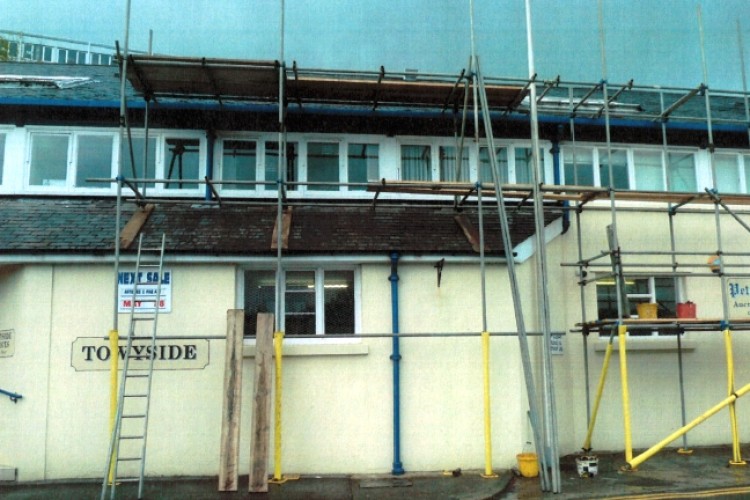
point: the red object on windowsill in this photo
(686, 310)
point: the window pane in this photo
(94, 159)
(416, 163)
(619, 168)
(323, 165)
(648, 170)
(485, 165)
(2, 155)
(746, 160)
(339, 301)
(579, 167)
(260, 297)
(133, 167)
(681, 172)
(666, 297)
(49, 160)
(363, 163)
(524, 174)
(300, 303)
(449, 164)
(182, 163)
(238, 163)
(727, 173)
(272, 164)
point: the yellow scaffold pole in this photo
(599, 391)
(736, 452)
(635, 462)
(488, 473)
(621, 335)
(278, 340)
(114, 355)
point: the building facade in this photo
(72, 179)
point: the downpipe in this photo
(398, 468)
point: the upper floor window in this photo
(649, 170)
(416, 163)
(681, 171)
(362, 163)
(69, 159)
(316, 301)
(450, 169)
(272, 161)
(579, 167)
(485, 164)
(732, 172)
(2, 156)
(323, 166)
(614, 162)
(181, 163)
(239, 163)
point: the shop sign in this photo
(7, 343)
(94, 353)
(739, 298)
(148, 283)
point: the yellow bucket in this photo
(646, 310)
(528, 465)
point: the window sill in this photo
(317, 349)
(646, 345)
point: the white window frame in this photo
(162, 162)
(232, 189)
(72, 136)
(319, 270)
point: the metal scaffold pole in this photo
(478, 82)
(548, 394)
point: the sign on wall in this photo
(93, 353)
(148, 282)
(739, 298)
(7, 343)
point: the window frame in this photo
(72, 159)
(319, 270)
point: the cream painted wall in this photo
(25, 307)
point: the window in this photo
(727, 173)
(2, 156)
(449, 166)
(132, 167)
(416, 163)
(523, 170)
(681, 172)
(316, 301)
(485, 164)
(323, 165)
(238, 163)
(649, 172)
(619, 168)
(579, 167)
(62, 159)
(362, 163)
(272, 165)
(652, 289)
(181, 163)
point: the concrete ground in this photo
(668, 475)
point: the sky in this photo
(654, 42)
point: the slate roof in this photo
(86, 226)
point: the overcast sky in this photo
(655, 42)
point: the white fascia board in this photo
(527, 248)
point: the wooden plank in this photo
(230, 421)
(261, 426)
(286, 222)
(471, 233)
(134, 225)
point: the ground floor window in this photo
(661, 291)
(316, 301)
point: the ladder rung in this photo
(136, 375)
(131, 437)
(134, 415)
(136, 395)
(128, 459)
(128, 479)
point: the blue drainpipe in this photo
(210, 140)
(557, 179)
(398, 468)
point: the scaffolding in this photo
(583, 107)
